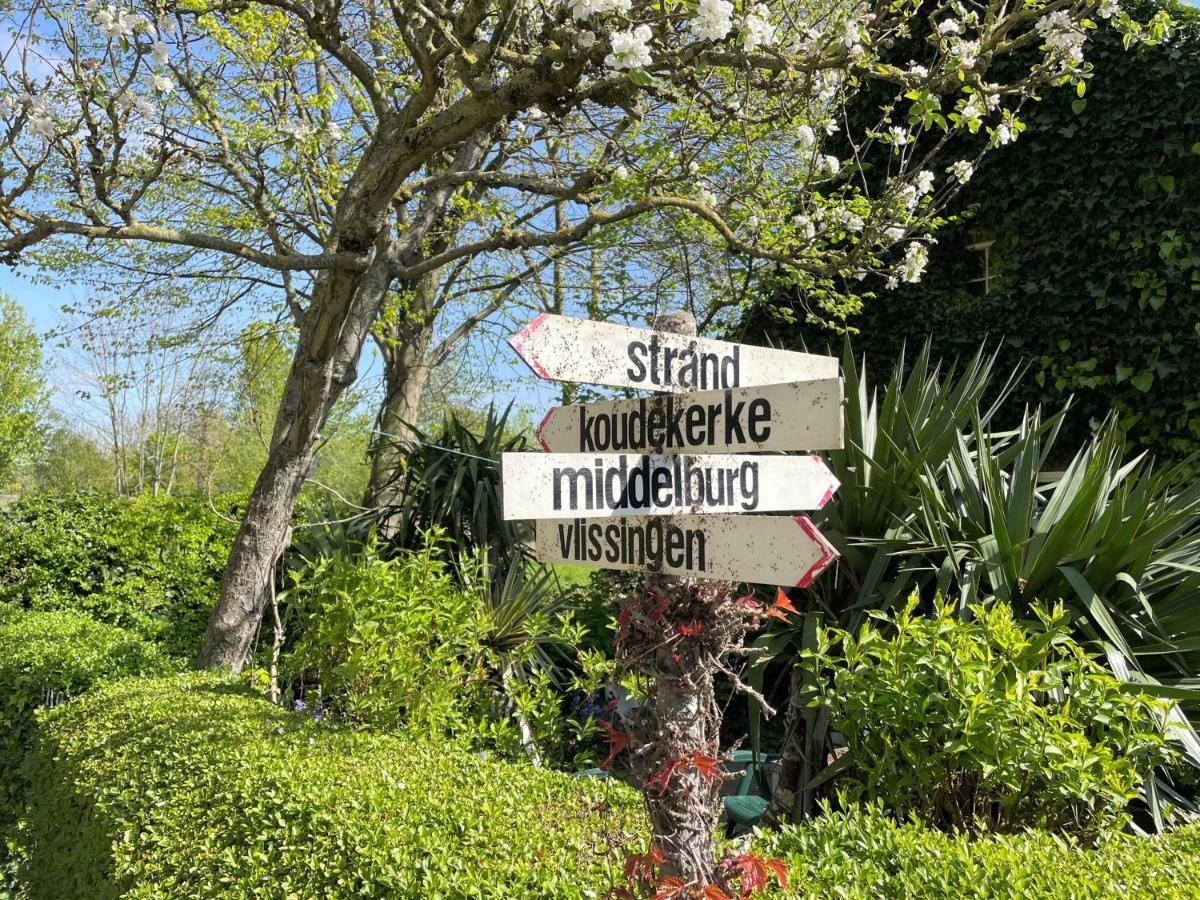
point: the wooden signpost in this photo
(673, 486)
(564, 349)
(554, 485)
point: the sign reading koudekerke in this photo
(803, 415)
(674, 482)
(564, 349)
(562, 485)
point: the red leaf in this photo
(691, 630)
(662, 778)
(779, 867)
(669, 887)
(660, 605)
(781, 607)
(713, 892)
(617, 741)
(623, 619)
(708, 766)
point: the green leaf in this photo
(1079, 105)
(1167, 183)
(641, 78)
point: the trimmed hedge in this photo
(865, 855)
(53, 656)
(194, 787)
(152, 565)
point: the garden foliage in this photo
(863, 855)
(192, 786)
(152, 565)
(420, 644)
(984, 724)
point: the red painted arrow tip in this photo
(541, 425)
(521, 338)
(828, 553)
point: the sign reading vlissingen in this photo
(804, 415)
(565, 349)
(564, 485)
(759, 549)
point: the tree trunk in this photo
(345, 303)
(404, 346)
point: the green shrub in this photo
(48, 658)
(413, 643)
(152, 565)
(194, 787)
(863, 855)
(984, 723)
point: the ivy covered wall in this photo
(1094, 265)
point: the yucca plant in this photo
(451, 481)
(893, 437)
(935, 496)
(1116, 541)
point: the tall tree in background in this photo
(22, 388)
(319, 146)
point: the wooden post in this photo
(674, 636)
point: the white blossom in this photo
(41, 125)
(621, 172)
(924, 181)
(893, 233)
(892, 283)
(159, 83)
(831, 164)
(1062, 37)
(581, 9)
(630, 49)
(948, 26)
(705, 196)
(144, 107)
(160, 53)
(899, 135)
(758, 31)
(752, 223)
(166, 25)
(916, 258)
(806, 136)
(1107, 9)
(805, 227)
(587, 39)
(713, 20)
(330, 134)
(962, 170)
(1005, 134)
(693, 167)
(917, 71)
(852, 38)
(966, 52)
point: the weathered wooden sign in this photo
(803, 415)
(563, 485)
(759, 549)
(565, 349)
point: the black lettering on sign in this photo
(640, 484)
(654, 543)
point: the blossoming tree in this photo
(340, 148)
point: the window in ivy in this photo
(981, 273)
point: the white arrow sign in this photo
(565, 349)
(564, 485)
(758, 549)
(802, 415)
